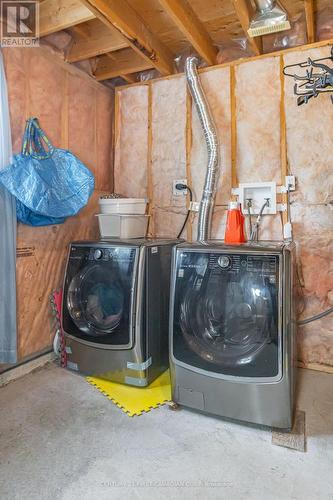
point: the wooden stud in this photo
(316, 366)
(100, 40)
(121, 15)
(189, 140)
(56, 15)
(310, 20)
(64, 112)
(186, 20)
(27, 66)
(150, 185)
(116, 133)
(96, 134)
(283, 139)
(122, 62)
(234, 180)
(242, 8)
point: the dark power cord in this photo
(181, 187)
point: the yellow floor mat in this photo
(133, 400)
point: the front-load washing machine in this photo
(116, 309)
(232, 330)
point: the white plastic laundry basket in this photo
(122, 226)
(135, 206)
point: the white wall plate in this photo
(258, 192)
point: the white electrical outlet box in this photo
(291, 182)
(257, 192)
(194, 206)
(179, 192)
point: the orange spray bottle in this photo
(235, 231)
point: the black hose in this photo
(317, 316)
(188, 211)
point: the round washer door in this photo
(226, 314)
(97, 300)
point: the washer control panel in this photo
(266, 265)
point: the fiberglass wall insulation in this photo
(257, 94)
(309, 136)
(76, 113)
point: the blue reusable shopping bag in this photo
(48, 184)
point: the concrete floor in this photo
(61, 439)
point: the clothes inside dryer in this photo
(99, 297)
(226, 310)
(100, 301)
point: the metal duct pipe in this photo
(269, 17)
(209, 129)
(264, 5)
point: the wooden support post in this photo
(310, 20)
(150, 186)
(188, 139)
(116, 132)
(283, 139)
(234, 179)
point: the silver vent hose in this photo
(209, 128)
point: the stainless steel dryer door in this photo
(226, 314)
(100, 297)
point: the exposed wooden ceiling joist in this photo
(310, 21)
(119, 14)
(121, 63)
(129, 78)
(98, 40)
(56, 15)
(189, 24)
(242, 8)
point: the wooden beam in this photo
(186, 20)
(100, 40)
(310, 20)
(125, 61)
(242, 8)
(56, 15)
(119, 14)
(238, 62)
(127, 78)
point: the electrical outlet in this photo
(291, 182)
(179, 192)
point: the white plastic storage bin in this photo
(112, 206)
(123, 226)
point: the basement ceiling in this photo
(117, 41)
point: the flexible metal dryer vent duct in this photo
(268, 18)
(209, 128)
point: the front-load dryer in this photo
(232, 331)
(116, 309)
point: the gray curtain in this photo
(8, 338)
